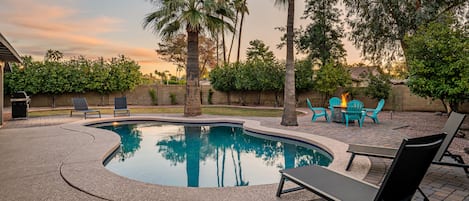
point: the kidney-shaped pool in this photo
(205, 155)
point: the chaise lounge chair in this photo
(120, 106)
(317, 111)
(80, 105)
(450, 129)
(400, 183)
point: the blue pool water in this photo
(212, 155)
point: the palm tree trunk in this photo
(233, 36)
(239, 36)
(218, 49)
(289, 109)
(223, 42)
(192, 106)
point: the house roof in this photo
(357, 72)
(7, 52)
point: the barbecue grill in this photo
(19, 105)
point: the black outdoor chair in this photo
(120, 106)
(80, 105)
(451, 128)
(400, 183)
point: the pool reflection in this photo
(206, 156)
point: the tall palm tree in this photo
(289, 107)
(244, 10)
(241, 8)
(193, 16)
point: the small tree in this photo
(379, 87)
(304, 75)
(321, 39)
(330, 77)
(438, 59)
(247, 78)
(223, 79)
(259, 51)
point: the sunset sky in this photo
(107, 28)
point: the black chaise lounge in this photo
(80, 105)
(120, 106)
(451, 128)
(400, 183)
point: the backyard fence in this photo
(401, 99)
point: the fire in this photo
(343, 103)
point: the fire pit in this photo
(337, 117)
(337, 114)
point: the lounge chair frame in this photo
(120, 106)
(451, 127)
(410, 165)
(80, 105)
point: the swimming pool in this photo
(206, 155)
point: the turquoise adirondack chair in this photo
(354, 112)
(334, 101)
(374, 112)
(317, 111)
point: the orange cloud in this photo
(55, 20)
(142, 53)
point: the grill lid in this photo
(19, 94)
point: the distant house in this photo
(7, 54)
(359, 75)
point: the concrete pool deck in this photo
(56, 158)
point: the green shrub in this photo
(154, 98)
(379, 87)
(210, 95)
(172, 96)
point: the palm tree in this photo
(240, 6)
(244, 10)
(289, 108)
(53, 55)
(194, 16)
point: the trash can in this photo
(19, 105)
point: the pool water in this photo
(211, 155)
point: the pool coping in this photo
(84, 170)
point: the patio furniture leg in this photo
(346, 121)
(280, 186)
(350, 161)
(459, 159)
(425, 198)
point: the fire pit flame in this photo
(343, 103)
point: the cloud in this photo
(142, 53)
(46, 23)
